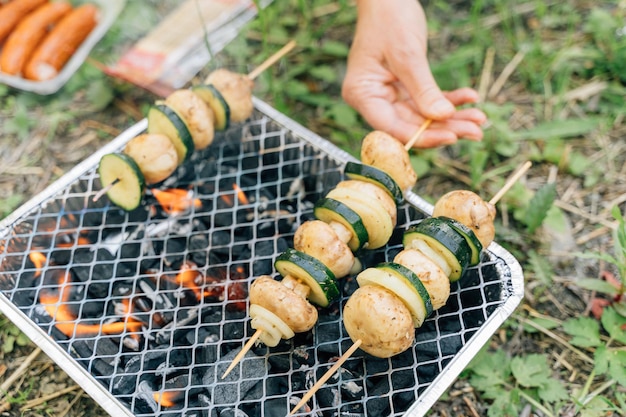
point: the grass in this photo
(552, 80)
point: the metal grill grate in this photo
(146, 309)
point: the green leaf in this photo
(494, 366)
(614, 324)
(505, 405)
(558, 129)
(546, 323)
(530, 371)
(552, 391)
(539, 205)
(336, 49)
(541, 267)
(601, 360)
(585, 331)
(596, 284)
(617, 366)
(325, 73)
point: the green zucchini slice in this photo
(358, 171)
(469, 236)
(376, 219)
(404, 284)
(211, 96)
(164, 120)
(121, 173)
(311, 272)
(329, 210)
(444, 239)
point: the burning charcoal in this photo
(239, 382)
(280, 363)
(276, 407)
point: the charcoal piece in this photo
(450, 345)
(427, 351)
(403, 400)
(124, 384)
(99, 356)
(92, 308)
(377, 406)
(232, 412)
(174, 249)
(197, 248)
(144, 399)
(220, 242)
(236, 385)
(352, 390)
(276, 407)
(23, 298)
(280, 363)
(328, 396)
(205, 353)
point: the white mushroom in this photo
(319, 240)
(388, 154)
(155, 155)
(236, 90)
(196, 114)
(468, 208)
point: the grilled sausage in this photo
(62, 41)
(29, 32)
(13, 13)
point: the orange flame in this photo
(56, 306)
(176, 200)
(39, 260)
(168, 398)
(241, 196)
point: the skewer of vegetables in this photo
(183, 122)
(396, 297)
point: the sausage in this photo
(319, 240)
(388, 154)
(196, 114)
(29, 32)
(62, 41)
(13, 13)
(468, 208)
(380, 320)
(288, 305)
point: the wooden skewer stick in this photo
(243, 352)
(326, 376)
(104, 190)
(272, 59)
(509, 183)
(417, 134)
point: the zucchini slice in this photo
(128, 183)
(444, 239)
(404, 284)
(369, 173)
(164, 120)
(216, 102)
(311, 272)
(329, 210)
(469, 235)
(377, 221)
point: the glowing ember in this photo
(39, 260)
(168, 398)
(176, 200)
(241, 196)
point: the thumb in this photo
(414, 73)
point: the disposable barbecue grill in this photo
(146, 309)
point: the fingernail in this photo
(442, 108)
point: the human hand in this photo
(389, 81)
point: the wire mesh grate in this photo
(146, 309)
